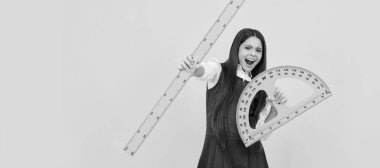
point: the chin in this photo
(249, 68)
(253, 67)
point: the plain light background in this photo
(77, 78)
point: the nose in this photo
(253, 54)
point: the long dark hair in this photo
(219, 109)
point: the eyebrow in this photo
(250, 45)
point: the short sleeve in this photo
(212, 70)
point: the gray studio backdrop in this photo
(77, 78)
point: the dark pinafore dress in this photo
(236, 155)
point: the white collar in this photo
(241, 74)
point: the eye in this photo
(259, 50)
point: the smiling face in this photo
(250, 53)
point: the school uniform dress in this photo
(236, 155)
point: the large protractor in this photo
(265, 81)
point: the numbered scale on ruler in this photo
(182, 77)
(266, 81)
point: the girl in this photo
(223, 147)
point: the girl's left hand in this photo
(278, 97)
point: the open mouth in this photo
(249, 61)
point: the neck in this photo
(247, 72)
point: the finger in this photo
(188, 68)
(184, 66)
(180, 68)
(192, 62)
(276, 91)
(278, 99)
(279, 95)
(190, 59)
(187, 63)
(271, 101)
(279, 91)
(284, 100)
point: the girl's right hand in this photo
(187, 65)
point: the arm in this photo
(206, 71)
(279, 98)
(266, 116)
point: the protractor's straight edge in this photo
(291, 118)
(249, 143)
